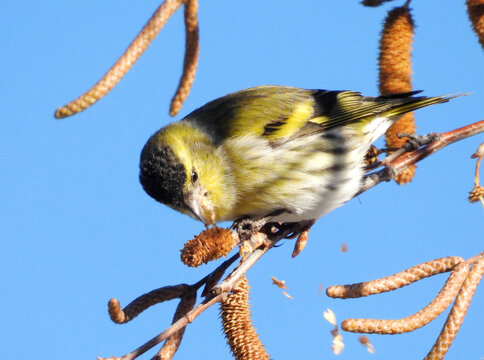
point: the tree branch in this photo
(402, 160)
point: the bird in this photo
(294, 153)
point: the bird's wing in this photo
(280, 114)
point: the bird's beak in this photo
(198, 206)
(195, 209)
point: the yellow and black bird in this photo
(269, 149)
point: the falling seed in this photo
(344, 247)
(330, 317)
(338, 344)
(287, 295)
(279, 283)
(366, 343)
(320, 289)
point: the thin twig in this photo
(181, 323)
(403, 161)
(173, 342)
(217, 293)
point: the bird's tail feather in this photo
(405, 103)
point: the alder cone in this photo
(210, 244)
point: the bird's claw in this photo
(415, 141)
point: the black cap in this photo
(162, 175)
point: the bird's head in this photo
(181, 167)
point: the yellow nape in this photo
(179, 136)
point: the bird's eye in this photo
(194, 176)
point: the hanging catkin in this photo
(475, 10)
(395, 74)
(237, 324)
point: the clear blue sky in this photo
(77, 228)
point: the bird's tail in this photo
(406, 102)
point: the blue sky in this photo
(77, 228)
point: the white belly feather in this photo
(307, 177)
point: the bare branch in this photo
(173, 342)
(401, 162)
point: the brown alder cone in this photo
(210, 244)
(237, 324)
(395, 74)
(475, 10)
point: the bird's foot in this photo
(247, 226)
(254, 233)
(415, 141)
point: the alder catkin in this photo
(210, 244)
(395, 74)
(237, 324)
(475, 10)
